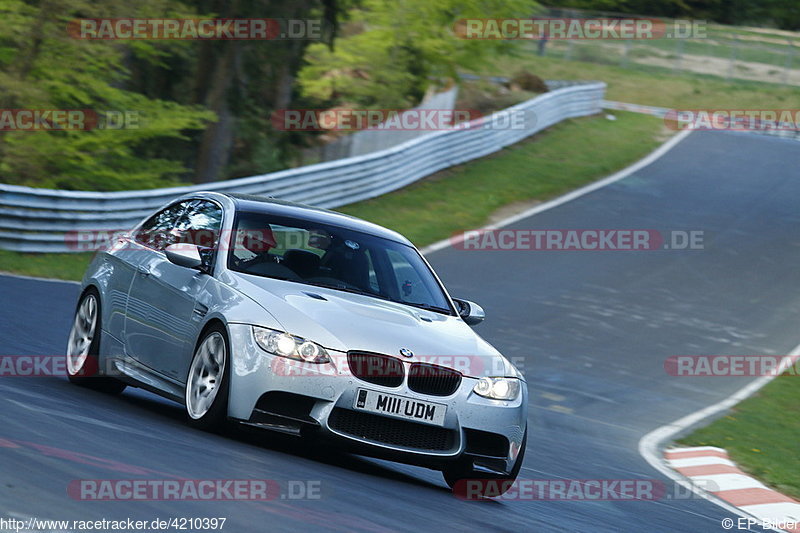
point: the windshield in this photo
(334, 257)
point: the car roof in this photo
(276, 206)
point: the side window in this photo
(200, 224)
(161, 230)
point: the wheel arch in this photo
(98, 284)
(210, 323)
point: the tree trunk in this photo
(217, 140)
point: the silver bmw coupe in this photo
(301, 320)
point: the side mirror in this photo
(471, 312)
(185, 255)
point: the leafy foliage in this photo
(398, 48)
(784, 14)
(44, 68)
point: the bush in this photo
(528, 81)
(486, 97)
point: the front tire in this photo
(83, 347)
(206, 396)
(468, 484)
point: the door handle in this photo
(143, 270)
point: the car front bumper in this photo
(473, 427)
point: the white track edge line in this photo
(650, 444)
(577, 193)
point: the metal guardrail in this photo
(636, 108)
(782, 129)
(41, 220)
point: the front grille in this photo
(374, 368)
(432, 379)
(391, 431)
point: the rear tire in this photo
(83, 347)
(206, 393)
(468, 484)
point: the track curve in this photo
(592, 328)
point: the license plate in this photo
(400, 407)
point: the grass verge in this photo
(59, 266)
(556, 161)
(761, 435)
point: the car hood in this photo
(344, 322)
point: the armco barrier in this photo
(788, 131)
(37, 220)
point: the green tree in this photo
(43, 67)
(395, 50)
(243, 82)
(784, 14)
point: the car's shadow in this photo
(148, 406)
(306, 448)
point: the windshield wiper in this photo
(365, 293)
(429, 307)
(344, 288)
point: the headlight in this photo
(497, 388)
(285, 345)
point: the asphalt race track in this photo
(592, 330)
